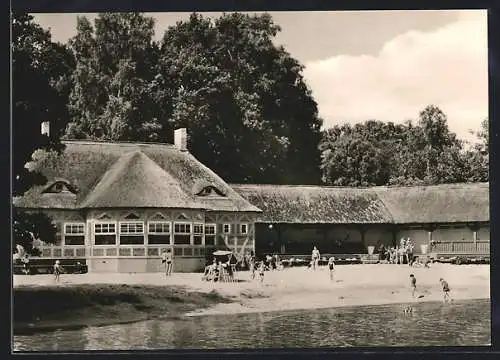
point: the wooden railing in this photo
(469, 247)
(137, 251)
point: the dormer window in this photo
(210, 191)
(60, 187)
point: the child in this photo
(261, 270)
(57, 270)
(331, 266)
(413, 285)
(446, 290)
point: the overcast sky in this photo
(384, 65)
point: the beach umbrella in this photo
(222, 253)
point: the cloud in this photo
(446, 67)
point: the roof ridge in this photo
(107, 142)
(446, 185)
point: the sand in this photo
(302, 288)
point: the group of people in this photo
(399, 254)
(444, 287)
(215, 271)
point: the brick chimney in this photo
(180, 139)
(46, 128)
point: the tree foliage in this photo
(41, 81)
(249, 113)
(378, 153)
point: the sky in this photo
(383, 65)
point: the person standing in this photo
(409, 252)
(315, 258)
(446, 290)
(166, 258)
(331, 266)
(251, 264)
(57, 270)
(413, 285)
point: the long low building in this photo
(116, 206)
(447, 219)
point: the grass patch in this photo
(63, 306)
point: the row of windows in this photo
(132, 233)
(153, 228)
(153, 239)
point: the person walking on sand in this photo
(57, 270)
(166, 258)
(413, 285)
(315, 258)
(261, 270)
(446, 290)
(331, 266)
(251, 263)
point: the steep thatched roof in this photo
(129, 174)
(315, 204)
(415, 204)
(135, 180)
(438, 203)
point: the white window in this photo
(210, 234)
(226, 228)
(74, 234)
(131, 233)
(159, 232)
(244, 228)
(198, 234)
(105, 233)
(182, 233)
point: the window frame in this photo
(214, 234)
(245, 224)
(190, 233)
(224, 228)
(202, 233)
(107, 222)
(70, 234)
(162, 233)
(137, 234)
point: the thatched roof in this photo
(437, 203)
(415, 204)
(315, 204)
(129, 174)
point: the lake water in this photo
(461, 323)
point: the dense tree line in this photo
(250, 115)
(379, 153)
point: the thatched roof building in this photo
(92, 174)
(447, 203)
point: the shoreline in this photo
(293, 289)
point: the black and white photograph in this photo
(250, 180)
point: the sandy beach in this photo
(302, 288)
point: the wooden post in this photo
(362, 231)
(278, 231)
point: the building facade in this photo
(448, 219)
(117, 206)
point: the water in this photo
(462, 323)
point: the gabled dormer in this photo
(60, 187)
(210, 191)
(207, 189)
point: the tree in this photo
(404, 154)
(113, 77)
(250, 115)
(249, 112)
(40, 84)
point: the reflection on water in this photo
(431, 324)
